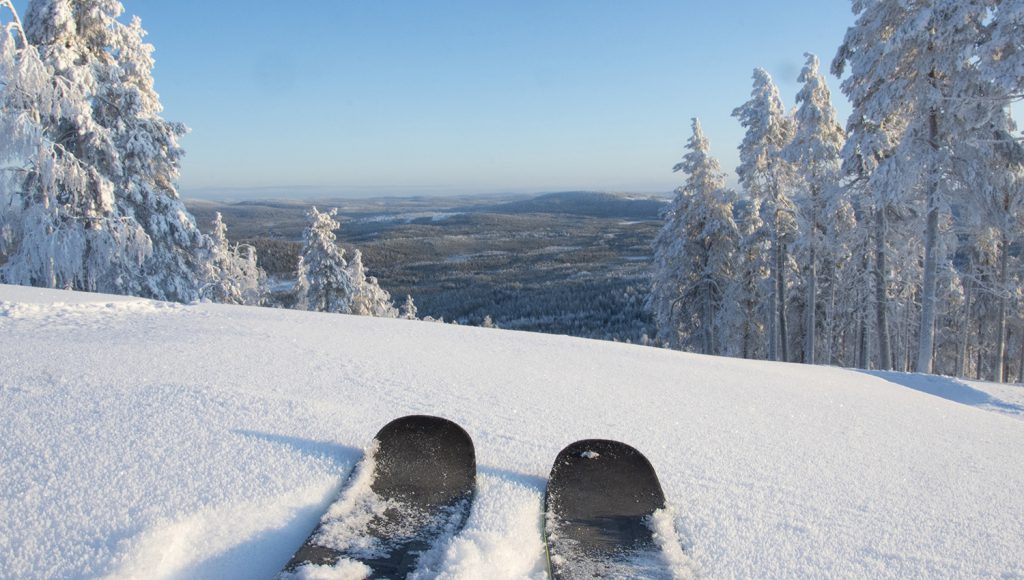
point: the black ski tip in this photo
(600, 497)
(428, 460)
(426, 463)
(606, 476)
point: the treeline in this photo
(605, 309)
(894, 243)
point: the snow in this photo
(145, 439)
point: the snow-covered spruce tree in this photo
(995, 220)
(814, 152)
(370, 299)
(232, 274)
(324, 284)
(745, 313)
(693, 252)
(1001, 55)
(765, 175)
(409, 308)
(59, 225)
(122, 227)
(150, 160)
(908, 59)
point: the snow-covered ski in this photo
(413, 488)
(601, 499)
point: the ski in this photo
(414, 487)
(600, 501)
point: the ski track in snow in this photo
(205, 441)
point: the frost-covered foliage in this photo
(89, 166)
(693, 253)
(59, 226)
(324, 283)
(901, 246)
(233, 276)
(765, 175)
(409, 308)
(923, 77)
(370, 299)
(814, 153)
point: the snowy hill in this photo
(143, 439)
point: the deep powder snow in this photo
(142, 439)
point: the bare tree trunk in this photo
(1000, 349)
(830, 315)
(926, 338)
(862, 344)
(961, 359)
(978, 351)
(773, 299)
(780, 289)
(1020, 372)
(810, 318)
(881, 292)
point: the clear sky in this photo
(467, 96)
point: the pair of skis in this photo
(415, 487)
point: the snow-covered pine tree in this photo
(324, 283)
(233, 275)
(693, 252)
(907, 60)
(994, 213)
(1001, 55)
(121, 227)
(59, 225)
(765, 175)
(745, 313)
(814, 152)
(150, 160)
(370, 299)
(409, 308)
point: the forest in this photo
(892, 240)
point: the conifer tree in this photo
(96, 202)
(59, 224)
(694, 252)
(814, 152)
(233, 276)
(409, 308)
(764, 174)
(908, 61)
(369, 299)
(324, 283)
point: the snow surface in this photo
(144, 439)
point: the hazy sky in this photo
(381, 96)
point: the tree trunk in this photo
(961, 359)
(926, 338)
(862, 344)
(810, 317)
(773, 299)
(1020, 372)
(830, 315)
(881, 292)
(780, 289)
(1000, 350)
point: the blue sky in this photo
(409, 97)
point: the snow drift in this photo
(146, 439)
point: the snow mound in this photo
(140, 439)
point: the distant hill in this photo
(585, 203)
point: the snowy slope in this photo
(142, 439)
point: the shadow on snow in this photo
(948, 388)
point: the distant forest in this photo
(574, 263)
